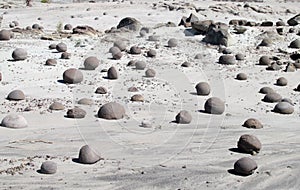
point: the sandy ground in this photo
(168, 155)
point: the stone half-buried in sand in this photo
(16, 95)
(183, 117)
(111, 111)
(253, 123)
(284, 108)
(14, 121)
(48, 167)
(87, 155)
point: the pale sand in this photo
(167, 156)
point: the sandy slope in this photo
(167, 156)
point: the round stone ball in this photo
(264, 60)
(245, 166)
(135, 50)
(14, 121)
(19, 54)
(16, 95)
(249, 144)
(72, 76)
(284, 108)
(272, 97)
(111, 111)
(65, 55)
(214, 105)
(227, 60)
(183, 117)
(140, 65)
(68, 27)
(151, 53)
(87, 155)
(281, 81)
(76, 113)
(172, 42)
(150, 73)
(48, 167)
(5, 35)
(101, 90)
(253, 123)
(202, 88)
(120, 44)
(112, 73)
(61, 47)
(241, 76)
(56, 106)
(51, 62)
(52, 46)
(266, 90)
(91, 63)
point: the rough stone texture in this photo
(16, 95)
(272, 97)
(120, 44)
(266, 42)
(264, 60)
(111, 110)
(151, 53)
(14, 121)
(214, 105)
(48, 167)
(218, 34)
(61, 47)
(183, 117)
(91, 63)
(87, 155)
(202, 88)
(150, 73)
(76, 113)
(253, 123)
(56, 106)
(19, 54)
(249, 143)
(284, 108)
(112, 73)
(227, 60)
(130, 24)
(132, 89)
(245, 166)
(72, 76)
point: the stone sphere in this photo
(48, 167)
(85, 101)
(111, 110)
(76, 113)
(272, 97)
(14, 121)
(151, 53)
(65, 55)
(253, 123)
(140, 65)
(114, 50)
(5, 35)
(284, 108)
(56, 106)
(245, 166)
(227, 60)
(266, 90)
(72, 76)
(91, 63)
(51, 62)
(101, 90)
(87, 155)
(214, 105)
(52, 46)
(112, 73)
(172, 42)
(295, 44)
(183, 117)
(150, 73)
(249, 144)
(264, 60)
(240, 57)
(61, 47)
(120, 44)
(135, 50)
(202, 88)
(19, 54)
(241, 76)
(16, 95)
(137, 98)
(68, 27)
(281, 81)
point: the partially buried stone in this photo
(253, 123)
(87, 155)
(183, 117)
(112, 73)
(245, 166)
(101, 90)
(76, 113)
(14, 121)
(48, 167)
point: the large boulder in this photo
(87, 155)
(218, 34)
(214, 105)
(111, 110)
(72, 76)
(201, 26)
(130, 24)
(61, 47)
(294, 20)
(14, 121)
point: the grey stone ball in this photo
(16, 95)
(172, 42)
(140, 65)
(72, 76)
(112, 73)
(150, 73)
(203, 88)
(56, 106)
(281, 81)
(241, 76)
(91, 63)
(111, 111)
(245, 166)
(61, 47)
(48, 167)
(253, 123)
(183, 117)
(227, 60)
(14, 121)
(19, 54)
(214, 105)
(272, 97)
